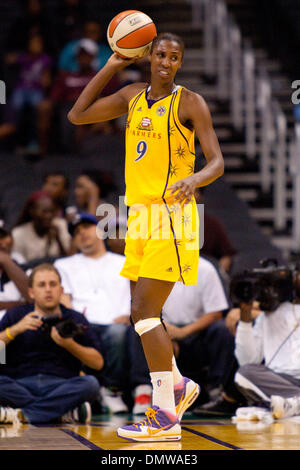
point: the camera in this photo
(269, 285)
(66, 328)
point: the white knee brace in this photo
(143, 326)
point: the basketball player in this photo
(159, 173)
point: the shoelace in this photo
(150, 414)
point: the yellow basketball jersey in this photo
(159, 149)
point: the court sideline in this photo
(198, 434)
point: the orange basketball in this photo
(130, 34)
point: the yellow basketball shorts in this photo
(162, 242)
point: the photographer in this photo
(93, 285)
(268, 352)
(40, 379)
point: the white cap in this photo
(88, 45)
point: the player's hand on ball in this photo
(183, 190)
(119, 62)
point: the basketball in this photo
(130, 34)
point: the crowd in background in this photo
(48, 231)
(46, 63)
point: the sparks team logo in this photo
(145, 124)
(161, 110)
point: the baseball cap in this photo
(88, 45)
(81, 219)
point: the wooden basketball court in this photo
(198, 434)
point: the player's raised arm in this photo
(89, 108)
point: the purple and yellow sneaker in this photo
(185, 393)
(159, 425)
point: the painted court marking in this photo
(82, 440)
(210, 438)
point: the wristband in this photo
(8, 334)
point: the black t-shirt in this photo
(34, 352)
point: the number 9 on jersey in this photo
(141, 149)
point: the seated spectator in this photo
(93, 286)
(91, 189)
(13, 280)
(40, 381)
(193, 318)
(216, 241)
(38, 233)
(93, 30)
(68, 59)
(34, 81)
(68, 86)
(268, 353)
(229, 397)
(56, 184)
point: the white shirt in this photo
(272, 338)
(96, 286)
(187, 303)
(31, 246)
